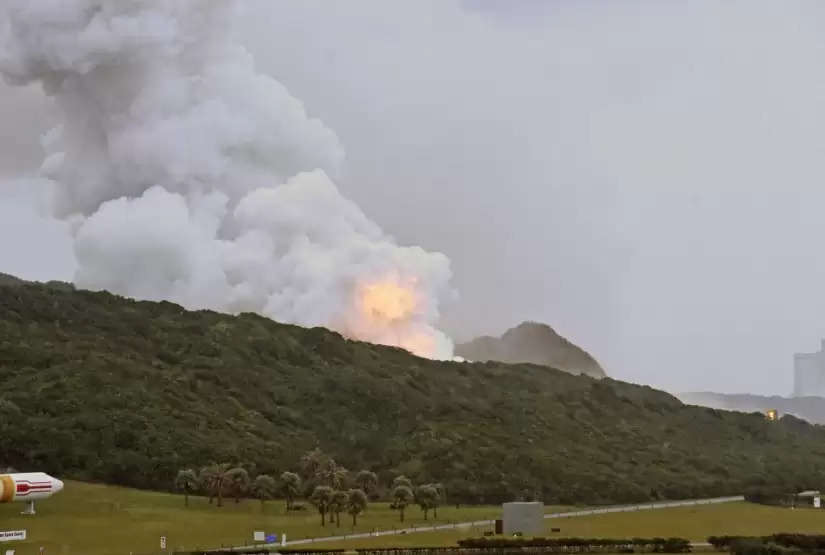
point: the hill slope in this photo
(100, 387)
(535, 343)
(811, 409)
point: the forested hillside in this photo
(99, 387)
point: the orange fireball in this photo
(387, 301)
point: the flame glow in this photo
(387, 302)
(392, 311)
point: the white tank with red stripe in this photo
(27, 486)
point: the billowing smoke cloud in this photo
(189, 176)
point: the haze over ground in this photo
(645, 177)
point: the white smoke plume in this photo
(189, 176)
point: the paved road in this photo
(570, 514)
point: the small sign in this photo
(272, 538)
(10, 552)
(283, 540)
(12, 535)
(258, 536)
(817, 502)
(163, 542)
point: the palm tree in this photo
(332, 474)
(207, 477)
(214, 478)
(264, 487)
(440, 498)
(311, 463)
(187, 482)
(402, 481)
(401, 497)
(356, 503)
(367, 481)
(321, 498)
(290, 488)
(427, 498)
(238, 480)
(337, 504)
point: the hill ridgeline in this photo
(811, 409)
(535, 343)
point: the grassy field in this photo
(694, 523)
(88, 519)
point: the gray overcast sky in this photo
(645, 176)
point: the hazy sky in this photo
(647, 177)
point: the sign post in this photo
(12, 535)
(163, 543)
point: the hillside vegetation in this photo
(811, 409)
(98, 387)
(535, 343)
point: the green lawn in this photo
(694, 523)
(88, 519)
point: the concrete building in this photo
(809, 373)
(526, 518)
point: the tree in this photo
(290, 488)
(356, 503)
(401, 497)
(187, 482)
(207, 477)
(427, 498)
(321, 498)
(338, 503)
(238, 481)
(367, 481)
(332, 474)
(312, 462)
(402, 481)
(264, 487)
(214, 479)
(440, 497)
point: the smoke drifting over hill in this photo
(189, 176)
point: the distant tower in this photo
(809, 373)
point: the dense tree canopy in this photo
(104, 388)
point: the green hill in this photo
(98, 387)
(535, 343)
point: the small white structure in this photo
(524, 517)
(813, 495)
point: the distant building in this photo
(809, 373)
(810, 497)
